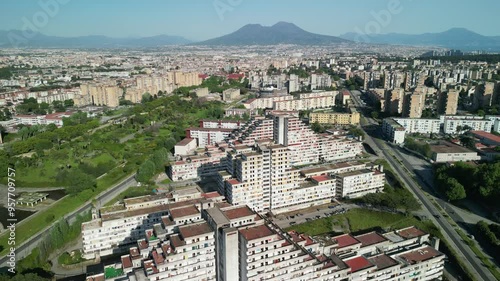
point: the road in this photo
(26, 247)
(473, 264)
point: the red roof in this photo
(126, 261)
(487, 136)
(233, 181)
(184, 212)
(358, 263)
(321, 178)
(202, 76)
(239, 212)
(370, 239)
(345, 240)
(195, 230)
(235, 76)
(211, 194)
(410, 232)
(256, 232)
(420, 255)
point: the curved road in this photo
(26, 247)
(470, 260)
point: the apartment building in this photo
(222, 124)
(448, 102)
(99, 94)
(457, 124)
(394, 100)
(335, 118)
(205, 162)
(417, 125)
(413, 105)
(234, 243)
(358, 183)
(393, 131)
(114, 229)
(265, 102)
(305, 103)
(208, 136)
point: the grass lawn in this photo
(363, 219)
(133, 191)
(111, 272)
(166, 181)
(102, 158)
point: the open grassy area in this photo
(133, 191)
(363, 219)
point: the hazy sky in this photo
(205, 19)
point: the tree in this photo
(374, 114)
(146, 171)
(454, 190)
(146, 97)
(79, 181)
(69, 103)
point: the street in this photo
(470, 260)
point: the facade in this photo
(185, 147)
(99, 94)
(413, 105)
(30, 120)
(335, 118)
(207, 136)
(448, 102)
(234, 243)
(358, 183)
(417, 125)
(305, 103)
(263, 103)
(118, 227)
(456, 124)
(393, 131)
(448, 152)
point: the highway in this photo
(26, 247)
(473, 264)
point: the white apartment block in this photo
(234, 243)
(305, 103)
(263, 103)
(117, 227)
(423, 126)
(30, 120)
(358, 183)
(393, 131)
(208, 136)
(221, 124)
(206, 162)
(451, 125)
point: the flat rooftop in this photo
(382, 261)
(239, 212)
(345, 240)
(256, 232)
(358, 263)
(410, 232)
(420, 255)
(370, 239)
(448, 147)
(184, 212)
(193, 230)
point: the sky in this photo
(205, 19)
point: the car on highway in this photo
(308, 219)
(292, 223)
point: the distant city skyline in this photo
(201, 20)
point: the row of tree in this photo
(463, 180)
(31, 106)
(489, 234)
(422, 148)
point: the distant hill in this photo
(280, 33)
(16, 38)
(455, 38)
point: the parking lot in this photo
(302, 216)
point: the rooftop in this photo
(448, 147)
(184, 212)
(345, 240)
(370, 239)
(382, 261)
(420, 255)
(193, 230)
(240, 212)
(486, 135)
(256, 232)
(185, 141)
(358, 263)
(410, 232)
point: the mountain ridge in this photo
(453, 38)
(279, 33)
